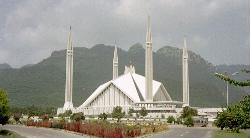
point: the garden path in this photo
(184, 132)
(39, 132)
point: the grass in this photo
(9, 134)
(228, 134)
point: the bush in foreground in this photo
(104, 128)
(235, 117)
(4, 107)
(9, 134)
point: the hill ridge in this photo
(43, 83)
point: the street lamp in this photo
(235, 73)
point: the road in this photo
(185, 132)
(35, 132)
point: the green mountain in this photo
(232, 69)
(43, 83)
(4, 66)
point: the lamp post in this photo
(235, 73)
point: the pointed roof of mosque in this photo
(132, 85)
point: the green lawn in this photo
(228, 134)
(9, 134)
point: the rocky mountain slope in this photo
(43, 83)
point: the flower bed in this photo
(40, 124)
(102, 128)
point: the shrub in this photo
(117, 113)
(68, 113)
(103, 129)
(188, 111)
(65, 114)
(143, 112)
(178, 120)
(4, 107)
(131, 110)
(45, 117)
(74, 126)
(77, 117)
(103, 116)
(188, 121)
(170, 119)
(235, 117)
(57, 124)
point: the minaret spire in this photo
(185, 74)
(68, 105)
(115, 64)
(149, 63)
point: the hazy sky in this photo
(218, 30)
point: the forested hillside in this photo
(43, 83)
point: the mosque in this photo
(129, 90)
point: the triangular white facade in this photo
(132, 85)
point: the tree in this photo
(188, 111)
(34, 111)
(143, 112)
(178, 120)
(235, 117)
(103, 116)
(234, 82)
(170, 119)
(221, 119)
(245, 106)
(231, 118)
(188, 121)
(186, 115)
(117, 113)
(130, 111)
(77, 117)
(68, 113)
(4, 107)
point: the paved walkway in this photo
(39, 132)
(185, 132)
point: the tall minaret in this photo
(149, 64)
(69, 75)
(185, 76)
(115, 64)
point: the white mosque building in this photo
(129, 90)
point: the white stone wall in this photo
(159, 96)
(107, 100)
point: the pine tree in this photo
(234, 82)
(143, 112)
(118, 113)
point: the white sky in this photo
(218, 30)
